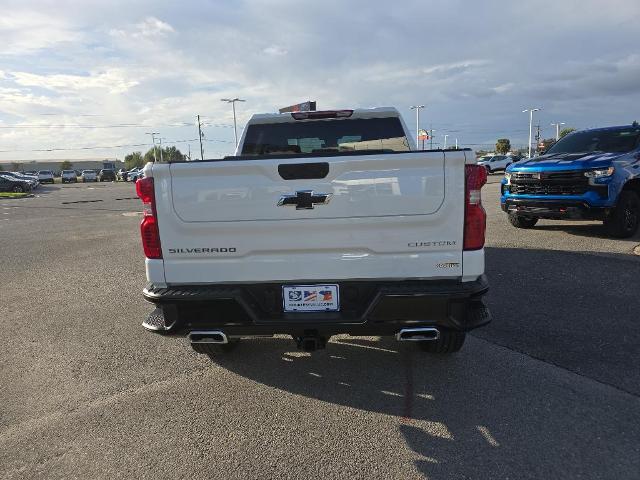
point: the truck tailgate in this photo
(394, 215)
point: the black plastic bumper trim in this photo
(377, 308)
(567, 209)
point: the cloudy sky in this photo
(79, 76)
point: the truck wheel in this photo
(623, 221)
(213, 349)
(521, 221)
(450, 341)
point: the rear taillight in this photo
(149, 226)
(475, 218)
(322, 114)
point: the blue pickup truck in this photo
(587, 175)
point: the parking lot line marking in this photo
(487, 436)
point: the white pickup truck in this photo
(322, 223)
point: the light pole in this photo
(530, 110)
(153, 139)
(200, 138)
(233, 101)
(417, 109)
(445, 141)
(557, 125)
(456, 143)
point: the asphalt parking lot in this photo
(551, 389)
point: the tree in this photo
(503, 145)
(15, 166)
(172, 154)
(134, 159)
(66, 165)
(169, 154)
(150, 156)
(566, 131)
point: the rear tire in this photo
(213, 349)
(521, 221)
(18, 189)
(450, 341)
(623, 221)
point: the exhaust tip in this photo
(423, 334)
(208, 336)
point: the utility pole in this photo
(417, 109)
(530, 110)
(189, 154)
(537, 136)
(456, 143)
(153, 139)
(233, 101)
(161, 150)
(200, 137)
(431, 130)
(557, 125)
(445, 142)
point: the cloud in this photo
(111, 81)
(25, 32)
(151, 29)
(474, 65)
(275, 51)
(505, 87)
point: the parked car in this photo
(121, 175)
(69, 176)
(134, 174)
(587, 175)
(12, 184)
(89, 176)
(495, 163)
(45, 176)
(33, 182)
(107, 175)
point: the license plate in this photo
(310, 298)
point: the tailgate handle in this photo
(303, 171)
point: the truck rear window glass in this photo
(609, 141)
(318, 136)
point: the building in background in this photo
(55, 164)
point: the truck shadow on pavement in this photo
(485, 412)
(489, 411)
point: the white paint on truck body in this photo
(391, 216)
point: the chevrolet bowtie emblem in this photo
(304, 199)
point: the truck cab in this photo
(587, 175)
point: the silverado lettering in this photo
(203, 250)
